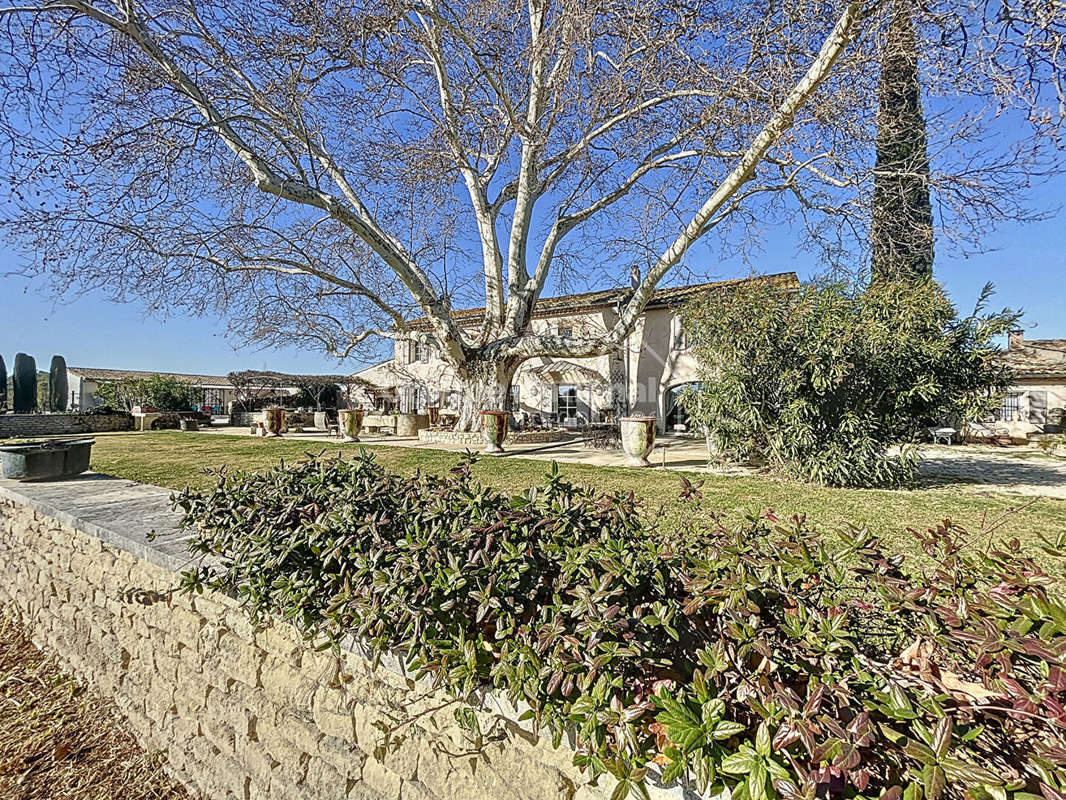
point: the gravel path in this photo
(1022, 472)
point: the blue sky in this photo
(1026, 263)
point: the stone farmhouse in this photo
(218, 392)
(1036, 401)
(644, 376)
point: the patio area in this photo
(671, 452)
(1022, 471)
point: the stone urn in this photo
(434, 415)
(494, 430)
(274, 421)
(351, 421)
(638, 438)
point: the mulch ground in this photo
(58, 741)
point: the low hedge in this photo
(759, 660)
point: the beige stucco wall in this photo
(654, 365)
(243, 712)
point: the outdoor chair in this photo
(603, 437)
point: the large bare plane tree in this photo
(327, 171)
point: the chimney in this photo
(1015, 339)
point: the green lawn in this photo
(177, 459)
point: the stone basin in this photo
(45, 459)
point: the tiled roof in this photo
(95, 374)
(606, 298)
(277, 378)
(1037, 358)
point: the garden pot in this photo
(638, 438)
(188, 424)
(44, 460)
(434, 415)
(351, 420)
(274, 421)
(411, 424)
(321, 421)
(494, 430)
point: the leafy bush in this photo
(822, 382)
(102, 411)
(754, 660)
(160, 392)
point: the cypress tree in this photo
(24, 383)
(57, 383)
(902, 225)
(3, 384)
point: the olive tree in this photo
(824, 383)
(324, 172)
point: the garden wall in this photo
(28, 425)
(475, 438)
(241, 712)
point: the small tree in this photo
(24, 381)
(822, 382)
(3, 384)
(316, 389)
(160, 392)
(57, 384)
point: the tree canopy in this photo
(321, 173)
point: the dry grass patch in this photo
(60, 742)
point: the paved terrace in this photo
(1014, 470)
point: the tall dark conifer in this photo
(902, 227)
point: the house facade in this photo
(83, 383)
(645, 375)
(219, 393)
(1036, 401)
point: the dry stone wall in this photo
(26, 425)
(241, 712)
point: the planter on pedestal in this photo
(638, 438)
(351, 421)
(494, 430)
(274, 421)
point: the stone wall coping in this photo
(122, 513)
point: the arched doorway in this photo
(675, 417)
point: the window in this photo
(514, 399)
(567, 401)
(566, 333)
(680, 334)
(419, 352)
(214, 401)
(1010, 410)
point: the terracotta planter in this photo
(638, 438)
(274, 421)
(494, 430)
(434, 415)
(351, 420)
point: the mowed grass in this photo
(176, 460)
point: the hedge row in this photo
(758, 661)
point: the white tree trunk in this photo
(484, 386)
